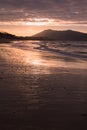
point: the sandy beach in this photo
(41, 90)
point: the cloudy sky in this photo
(27, 17)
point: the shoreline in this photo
(39, 97)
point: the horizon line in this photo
(42, 31)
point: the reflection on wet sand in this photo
(32, 60)
(41, 90)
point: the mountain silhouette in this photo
(49, 34)
(4, 35)
(61, 35)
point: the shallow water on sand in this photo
(43, 86)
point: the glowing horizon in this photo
(35, 25)
(28, 17)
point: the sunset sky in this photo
(27, 17)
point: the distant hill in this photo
(4, 35)
(7, 37)
(61, 35)
(67, 35)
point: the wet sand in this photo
(41, 90)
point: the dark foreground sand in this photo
(38, 97)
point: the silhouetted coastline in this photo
(47, 35)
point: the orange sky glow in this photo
(35, 25)
(28, 17)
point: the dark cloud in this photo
(72, 10)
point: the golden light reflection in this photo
(35, 58)
(39, 60)
(33, 61)
(36, 62)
